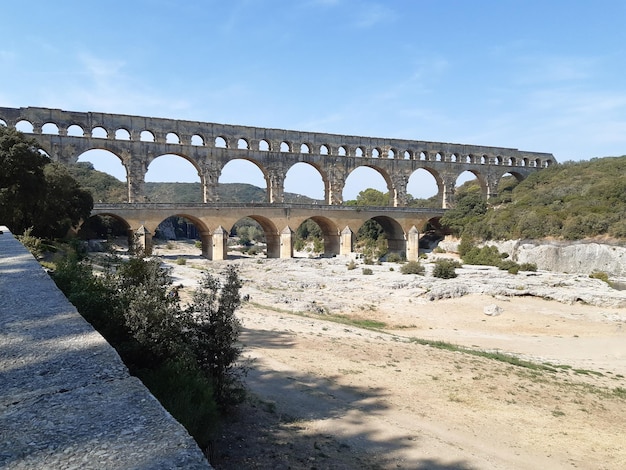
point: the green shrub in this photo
(351, 265)
(412, 267)
(445, 268)
(181, 261)
(394, 258)
(198, 244)
(33, 244)
(600, 275)
(528, 267)
(508, 265)
(368, 271)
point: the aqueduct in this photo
(137, 141)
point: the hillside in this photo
(570, 201)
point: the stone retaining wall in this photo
(66, 398)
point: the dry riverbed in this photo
(329, 394)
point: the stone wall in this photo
(67, 400)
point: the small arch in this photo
(146, 136)
(50, 128)
(75, 131)
(323, 150)
(264, 145)
(537, 163)
(122, 134)
(172, 138)
(391, 153)
(375, 152)
(468, 159)
(99, 132)
(525, 162)
(3, 123)
(438, 157)
(341, 151)
(304, 148)
(197, 140)
(220, 142)
(242, 144)
(359, 152)
(408, 155)
(498, 160)
(24, 126)
(547, 163)
(453, 158)
(513, 161)
(483, 160)
(423, 157)
(285, 147)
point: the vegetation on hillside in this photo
(570, 201)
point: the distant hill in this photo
(106, 188)
(571, 201)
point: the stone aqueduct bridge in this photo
(137, 141)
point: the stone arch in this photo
(172, 138)
(243, 144)
(480, 178)
(146, 136)
(93, 227)
(109, 162)
(330, 234)
(341, 151)
(3, 123)
(238, 170)
(24, 125)
(122, 134)
(365, 168)
(264, 145)
(50, 128)
(302, 170)
(420, 183)
(75, 130)
(272, 234)
(376, 152)
(359, 152)
(394, 233)
(197, 140)
(324, 149)
(174, 168)
(221, 142)
(286, 146)
(99, 132)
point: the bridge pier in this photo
(413, 244)
(219, 244)
(286, 242)
(346, 243)
(142, 240)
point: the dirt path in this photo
(331, 395)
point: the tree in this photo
(34, 192)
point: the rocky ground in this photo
(327, 393)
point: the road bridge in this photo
(137, 141)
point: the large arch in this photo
(330, 235)
(306, 179)
(394, 233)
(245, 171)
(370, 176)
(172, 169)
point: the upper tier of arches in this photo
(212, 135)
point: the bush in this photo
(394, 258)
(412, 267)
(351, 265)
(181, 261)
(507, 265)
(445, 268)
(32, 243)
(368, 271)
(528, 267)
(600, 275)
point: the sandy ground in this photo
(328, 395)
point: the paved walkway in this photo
(66, 399)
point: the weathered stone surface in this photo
(66, 398)
(582, 257)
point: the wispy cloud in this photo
(372, 14)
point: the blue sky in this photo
(545, 76)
